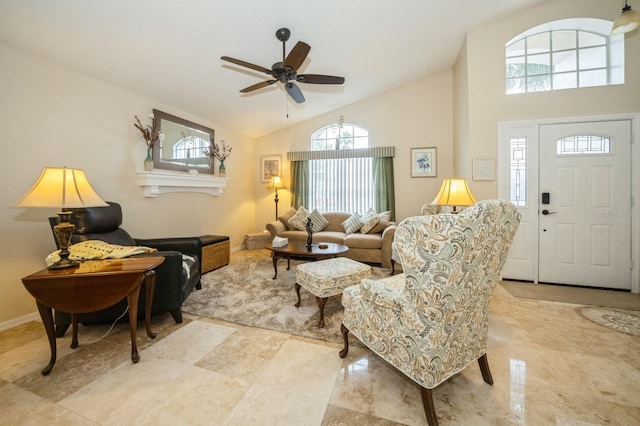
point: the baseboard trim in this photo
(19, 321)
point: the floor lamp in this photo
(276, 183)
(62, 188)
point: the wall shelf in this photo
(161, 181)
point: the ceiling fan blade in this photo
(246, 64)
(298, 54)
(258, 86)
(319, 79)
(295, 92)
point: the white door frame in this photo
(532, 187)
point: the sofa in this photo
(176, 277)
(373, 246)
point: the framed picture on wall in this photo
(423, 162)
(483, 168)
(270, 167)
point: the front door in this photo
(584, 210)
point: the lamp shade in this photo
(275, 183)
(454, 192)
(63, 188)
(627, 21)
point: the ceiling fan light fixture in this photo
(628, 21)
(286, 72)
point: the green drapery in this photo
(384, 185)
(383, 179)
(299, 183)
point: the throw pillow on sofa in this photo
(369, 220)
(383, 222)
(299, 220)
(318, 221)
(353, 224)
(286, 217)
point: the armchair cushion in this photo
(386, 293)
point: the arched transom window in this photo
(565, 54)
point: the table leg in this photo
(275, 267)
(150, 280)
(132, 301)
(74, 331)
(47, 320)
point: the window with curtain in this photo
(341, 173)
(340, 184)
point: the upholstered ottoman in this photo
(329, 277)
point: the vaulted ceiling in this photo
(170, 50)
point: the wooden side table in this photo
(94, 285)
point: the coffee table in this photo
(299, 250)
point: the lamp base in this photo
(63, 232)
(64, 263)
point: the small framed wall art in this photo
(483, 168)
(423, 162)
(271, 166)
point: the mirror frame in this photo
(157, 127)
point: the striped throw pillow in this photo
(318, 221)
(353, 224)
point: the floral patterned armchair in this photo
(431, 321)
(427, 209)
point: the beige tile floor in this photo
(550, 365)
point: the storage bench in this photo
(215, 252)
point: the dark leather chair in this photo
(173, 282)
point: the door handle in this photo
(546, 212)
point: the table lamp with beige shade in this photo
(63, 188)
(454, 193)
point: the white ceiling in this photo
(170, 50)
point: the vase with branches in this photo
(151, 138)
(220, 153)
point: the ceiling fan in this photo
(286, 71)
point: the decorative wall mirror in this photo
(183, 145)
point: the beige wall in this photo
(418, 114)
(461, 142)
(488, 104)
(52, 116)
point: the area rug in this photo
(614, 320)
(575, 295)
(244, 292)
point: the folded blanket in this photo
(96, 249)
(186, 261)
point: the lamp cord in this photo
(110, 328)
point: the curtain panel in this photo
(383, 180)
